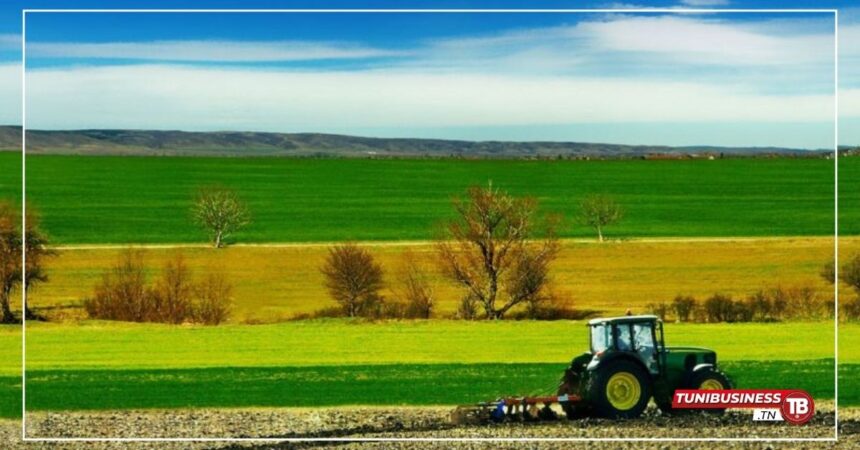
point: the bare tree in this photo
(849, 273)
(353, 279)
(11, 247)
(486, 250)
(599, 211)
(220, 212)
(37, 251)
(10, 258)
(416, 289)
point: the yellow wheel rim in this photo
(623, 391)
(711, 385)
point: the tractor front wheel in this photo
(708, 379)
(620, 390)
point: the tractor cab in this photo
(641, 336)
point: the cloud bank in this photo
(207, 51)
(612, 69)
(164, 96)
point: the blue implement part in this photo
(498, 414)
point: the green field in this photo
(99, 365)
(98, 200)
(146, 199)
(397, 384)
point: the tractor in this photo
(628, 364)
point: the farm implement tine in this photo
(512, 409)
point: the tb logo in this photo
(797, 407)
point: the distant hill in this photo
(184, 143)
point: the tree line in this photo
(498, 249)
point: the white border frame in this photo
(835, 13)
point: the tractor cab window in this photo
(625, 341)
(600, 337)
(644, 338)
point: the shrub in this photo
(324, 313)
(214, 300)
(468, 308)
(802, 302)
(742, 312)
(171, 298)
(850, 309)
(353, 279)
(555, 306)
(123, 294)
(850, 273)
(683, 306)
(417, 293)
(719, 308)
(778, 302)
(658, 309)
(760, 307)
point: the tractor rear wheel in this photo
(620, 390)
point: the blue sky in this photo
(654, 78)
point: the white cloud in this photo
(204, 51)
(614, 38)
(10, 41)
(849, 55)
(698, 41)
(701, 3)
(10, 92)
(615, 69)
(849, 103)
(761, 55)
(196, 98)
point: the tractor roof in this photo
(624, 319)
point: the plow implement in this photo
(513, 409)
(628, 364)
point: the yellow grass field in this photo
(274, 283)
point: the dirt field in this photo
(422, 423)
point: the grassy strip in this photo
(122, 346)
(395, 384)
(146, 199)
(107, 365)
(274, 283)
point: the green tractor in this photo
(628, 364)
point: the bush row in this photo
(766, 305)
(124, 294)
